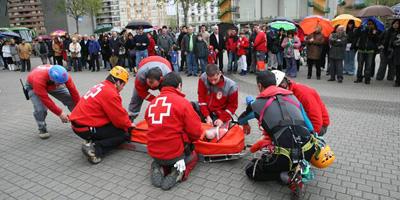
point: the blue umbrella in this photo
(379, 25)
(10, 34)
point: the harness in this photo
(295, 154)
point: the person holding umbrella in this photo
(394, 45)
(314, 42)
(141, 42)
(290, 43)
(366, 45)
(42, 50)
(386, 54)
(337, 43)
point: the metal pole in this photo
(177, 15)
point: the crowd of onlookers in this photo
(252, 49)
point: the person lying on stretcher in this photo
(173, 126)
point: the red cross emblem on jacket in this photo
(159, 109)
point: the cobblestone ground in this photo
(364, 135)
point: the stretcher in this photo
(230, 147)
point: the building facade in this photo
(26, 13)
(110, 13)
(201, 14)
(149, 10)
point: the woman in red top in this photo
(243, 44)
(151, 48)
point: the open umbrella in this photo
(103, 28)
(135, 24)
(376, 10)
(9, 34)
(379, 25)
(58, 33)
(283, 25)
(283, 19)
(343, 19)
(44, 37)
(310, 23)
(116, 29)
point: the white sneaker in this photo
(44, 134)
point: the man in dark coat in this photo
(337, 42)
(218, 42)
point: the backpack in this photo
(282, 118)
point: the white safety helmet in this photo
(279, 76)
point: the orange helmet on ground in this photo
(323, 157)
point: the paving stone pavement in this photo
(364, 136)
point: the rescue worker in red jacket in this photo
(100, 119)
(53, 80)
(309, 98)
(217, 96)
(149, 77)
(173, 126)
(260, 47)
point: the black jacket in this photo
(105, 49)
(141, 39)
(180, 38)
(217, 45)
(115, 44)
(130, 44)
(84, 48)
(367, 40)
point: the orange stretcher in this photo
(230, 147)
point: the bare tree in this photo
(74, 9)
(93, 8)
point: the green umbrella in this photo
(103, 28)
(287, 26)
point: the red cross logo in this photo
(159, 109)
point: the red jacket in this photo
(231, 45)
(260, 43)
(221, 99)
(39, 80)
(101, 105)
(312, 104)
(172, 121)
(144, 66)
(151, 48)
(243, 45)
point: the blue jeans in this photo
(232, 57)
(349, 67)
(140, 55)
(279, 58)
(176, 67)
(203, 63)
(191, 62)
(291, 67)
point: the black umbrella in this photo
(135, 24)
